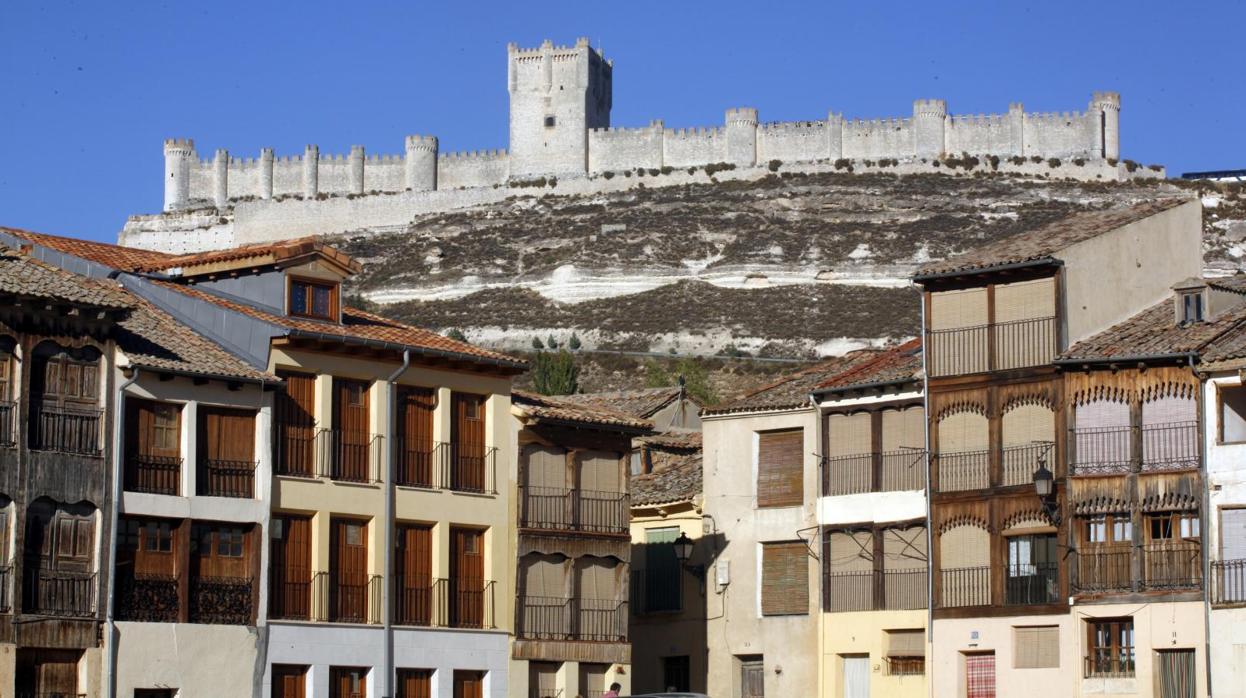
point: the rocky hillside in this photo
(789, 265)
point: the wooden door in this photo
(468, 448)
(226, 452)
(415, 575)
(467, 572)
(47, 672)
(296, 424)
(289, 681)
(348, 682)
(351, 430)
(415, 436)
(66, 416)
(469, 684)
(752, 679)
(290, 568)
(348, 571)
(153, 460)
(415, 683)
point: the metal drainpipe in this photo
(1202, 529)
(110, 659)
(930, 570)
(819, 436)
(387, 685)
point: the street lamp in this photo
(1045, 488)
(683, 552)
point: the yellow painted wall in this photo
(865, 633)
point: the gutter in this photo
(395, 346)
(110, 658)
(211, 376)
(387, 683)
(930, 571)
(1202, 529)
(861, 386)
(974, 271)
(1130, 358)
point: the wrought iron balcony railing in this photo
(1105, 569)
(558, 618)
(222, 600)
(657, 590)
(1100, 450)
(1019, 462)
(1000, 346)
(146, 598)
(1033, 583)
(417, 462)
(965, 586)
(58, 593)
(557, 508)
(153, 474)
(421, 600)
(227, 478)
(963, 470)
(1229, 582)
(1175, 566)
(1103, 663)
(875, 590)
(1111, 450)
(901, 469)
(471, 467)
(66, 430)
(325, 596)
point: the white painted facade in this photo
(1226, 483)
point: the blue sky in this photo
(89, 90)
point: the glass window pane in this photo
(321, 296)
(298, 298)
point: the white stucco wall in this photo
(1226, 480)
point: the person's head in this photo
(616, 686)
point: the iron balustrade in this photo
(66, 430)
(146, 598)
(415, 600)
(1229, 582)
(58, 593)
(1104, 663)
(964, 470)
(1100, 570)
(221, 600)
(227, 478)
(1101, 450)
(1170, 446)
(875, 590)
(1032, 583)
(354, 598)
(8, 420)
(294, 449)
(1020, 462)
(418, 460)
(1024, 343)
(48, 694)
(544, 618)
(903, 469)
(470, 467)
(290, 593)
(6, 600)
(558, 508)
(848, 474)
(999, 346)
(153, 474)
(424, 601)
(1172, 566)
(600, 512)
(957, 351)
(348, 456)
(657, 591)
(964, 586)
(470, 603)
(559, 618)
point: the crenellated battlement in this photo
(474, 155)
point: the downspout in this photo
(110, 659)
(819, 435)
(1202, 529)
(387, 685)
(930, 571)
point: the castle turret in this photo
(420, 163)
(311, 171)
(179, 153)
(355, 167)
(835, 135)
(557, 93)
(742, 136)
(266, 173)
(1016, 129)
(220, 178)
(1107, 107)
(929, 127)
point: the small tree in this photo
(456, 334)
(551, 342)
(537, 344)
(574, 343)
(555, 374)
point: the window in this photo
(1036, 647)
(1173, 526)
(549, 122)
(906, 652)
(1192, 307)
(1110, 647)
(225, 541)
(1032, 570)
(780, 475)
(157, 537)
(659, 588)
(676, 673)
(314, 299)
(1232, 414)
(784, 579)
(1109, 529)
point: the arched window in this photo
(1101, 437)
(1029, 431)
(1170, 433)
(964, 566)
(964, 461)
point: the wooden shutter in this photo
(469, 684)
(965, 545)
(153, 428)
(415, 683)
(291, 571)
(904, 428)
(780, 475)
(415, 432)
(354, 430)
(906, 643)
(348, 569)
(348, 682)
(466, 577)
(296, 424)
(1037, 647)
(415, 574)
(600, 471)
(468, 436)
(784, 579)
(752, 679)
(289, 681)
(227, 434)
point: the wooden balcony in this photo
(557, 618)
(1160, 567)
(875, 590)
(1118, 450)
(58, 593)
(887, 471)
(64, 430)
(561, 509)
(1000, 346)
(1109, 570)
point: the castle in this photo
(560, 134)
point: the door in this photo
(467, 574)
(66, 416)
(296, 424)
(468, 435)
(47, 672)
(351, 431)
(752, 678)
(676, 673)
(220, 574)
(415, 444)
(857, 676)
(593, 679)
(543, 681)
(415, 683)
(348, 571)
(980, 675)
(1176, 674)
(59, 554)
(415, 575)
(1231, 576)
(153, 460)
(348, 682)
(289, 681)
(469, 684)
(226, 452)
(291, 573)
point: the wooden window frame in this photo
(309, 300)
(1220, 390)
(1115, 648)
(1175, 519)
(1110, 523)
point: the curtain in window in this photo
(1176, 673)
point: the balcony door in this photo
(415, 574)
(146, 586)
(153, 461)
(348, 570)
(415, 446)
(348, 682)
(220, 574)
(467, 574)
(468, 435)
(289, 681)
(351, 430)
(1032, 577)
(66, 416)
(226, 452)
(291, 572)
(296, 424)
(60, 559)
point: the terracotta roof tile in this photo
(902, 363)
(644, 402)
(677, 482)
(277, 251)
(1046, 240)
(151, 338)
(21, 275)
(124, 258)
(673, 440)
(1154, 331)
(793, 391)
(559, 409)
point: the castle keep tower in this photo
(1106, 107)
(178, 154)
(557, 93)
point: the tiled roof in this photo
(673, 440)
(1046, 240)
(124, 258)
(559, 409)
(270, 252)
(151, 338)
(901, 364)
(21, 275)
(678, 482)
(793, 391)
(643, 402)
